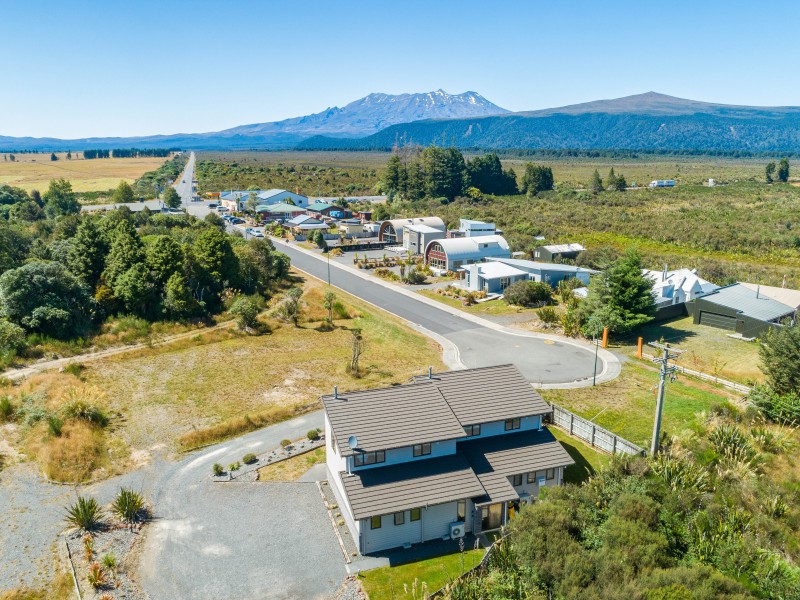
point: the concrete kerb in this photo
(611, 364)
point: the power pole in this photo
(668, 354)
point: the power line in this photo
(668, 353)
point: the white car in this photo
(257, 233)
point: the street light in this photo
(328, 254)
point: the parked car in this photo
(221, 209)
(236, 220)
(213, 205)
(256, 233)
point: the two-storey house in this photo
(443, 455)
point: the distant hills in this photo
(648, 121)
(357, 119)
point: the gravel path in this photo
(33, 510)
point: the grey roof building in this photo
(445, 454)
(741, 309)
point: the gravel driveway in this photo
(243, 541)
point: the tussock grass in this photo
(75, 455)
(237, 426)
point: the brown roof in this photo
(391, 417)
(488, 394)
(384, 490)
(512, 454)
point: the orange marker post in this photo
(605, 337)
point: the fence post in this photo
(614, 446)
(593, 430)
(571, 420)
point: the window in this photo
(551, 474)
(512, 424)
(504, 282)
(422, 449)
(516, 480)
(375, 522)
(472, 430)
(415, 514)
(532, 477)
(399, 518)
(369, 458)
(461, 510)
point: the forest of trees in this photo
(443, 173)
(128, 153)
(63, 273)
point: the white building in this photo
(392, 231)
(236, 200)
(447, 454)
(678, 286)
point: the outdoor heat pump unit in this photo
(525, 498)
(456, 530)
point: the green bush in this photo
(128, 506)
(285, 443)
(217, 469)
(415, 277)
(313, 434)
(110, 562)
(79, 408)
(6, 409)
(780, 408)
(249, 458)
(235, 466)
(85, 514)
(74, 369)
(528, 293)
(548, 315)
(55, 425)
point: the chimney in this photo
(336, 392)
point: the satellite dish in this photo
(352, 441)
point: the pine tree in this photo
(596, 184)
(86, 257)
(769, 172)
(53, 156)
(126, 251)
(611, 180)
(783, 170)
(123, 194)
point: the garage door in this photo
(719, 321)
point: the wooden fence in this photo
(738, 387)
(596, 436)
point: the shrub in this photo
(55, 425)
(217, 469)
(80, 408)
(234, 466)
(313, 434)
(74, 369)
(469, 299)
(128, 506)
(249, 458)
(415, 277)
(85, 514)
(285, 443)
(528, 293)
(110, 562)
(384, 273)
(548, 315)
(6, 409)
(97, 576)
(780, 408)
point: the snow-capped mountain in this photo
(375, 112)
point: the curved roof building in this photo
(392, 231)
(453, 253)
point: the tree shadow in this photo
(582, 469)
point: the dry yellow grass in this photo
(292, 468)
(34, 171)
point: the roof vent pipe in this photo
(430, 372)
(336, 392)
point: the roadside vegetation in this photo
(70, 281)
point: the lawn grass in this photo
(489, 308)
(34, 171)
(588, 461)
(292, 468)
(626, 405)
(706, 349)
(391, 583)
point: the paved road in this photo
(544, 361)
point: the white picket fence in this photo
(595, 435)
(738, 387)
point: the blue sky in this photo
(76, 68)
